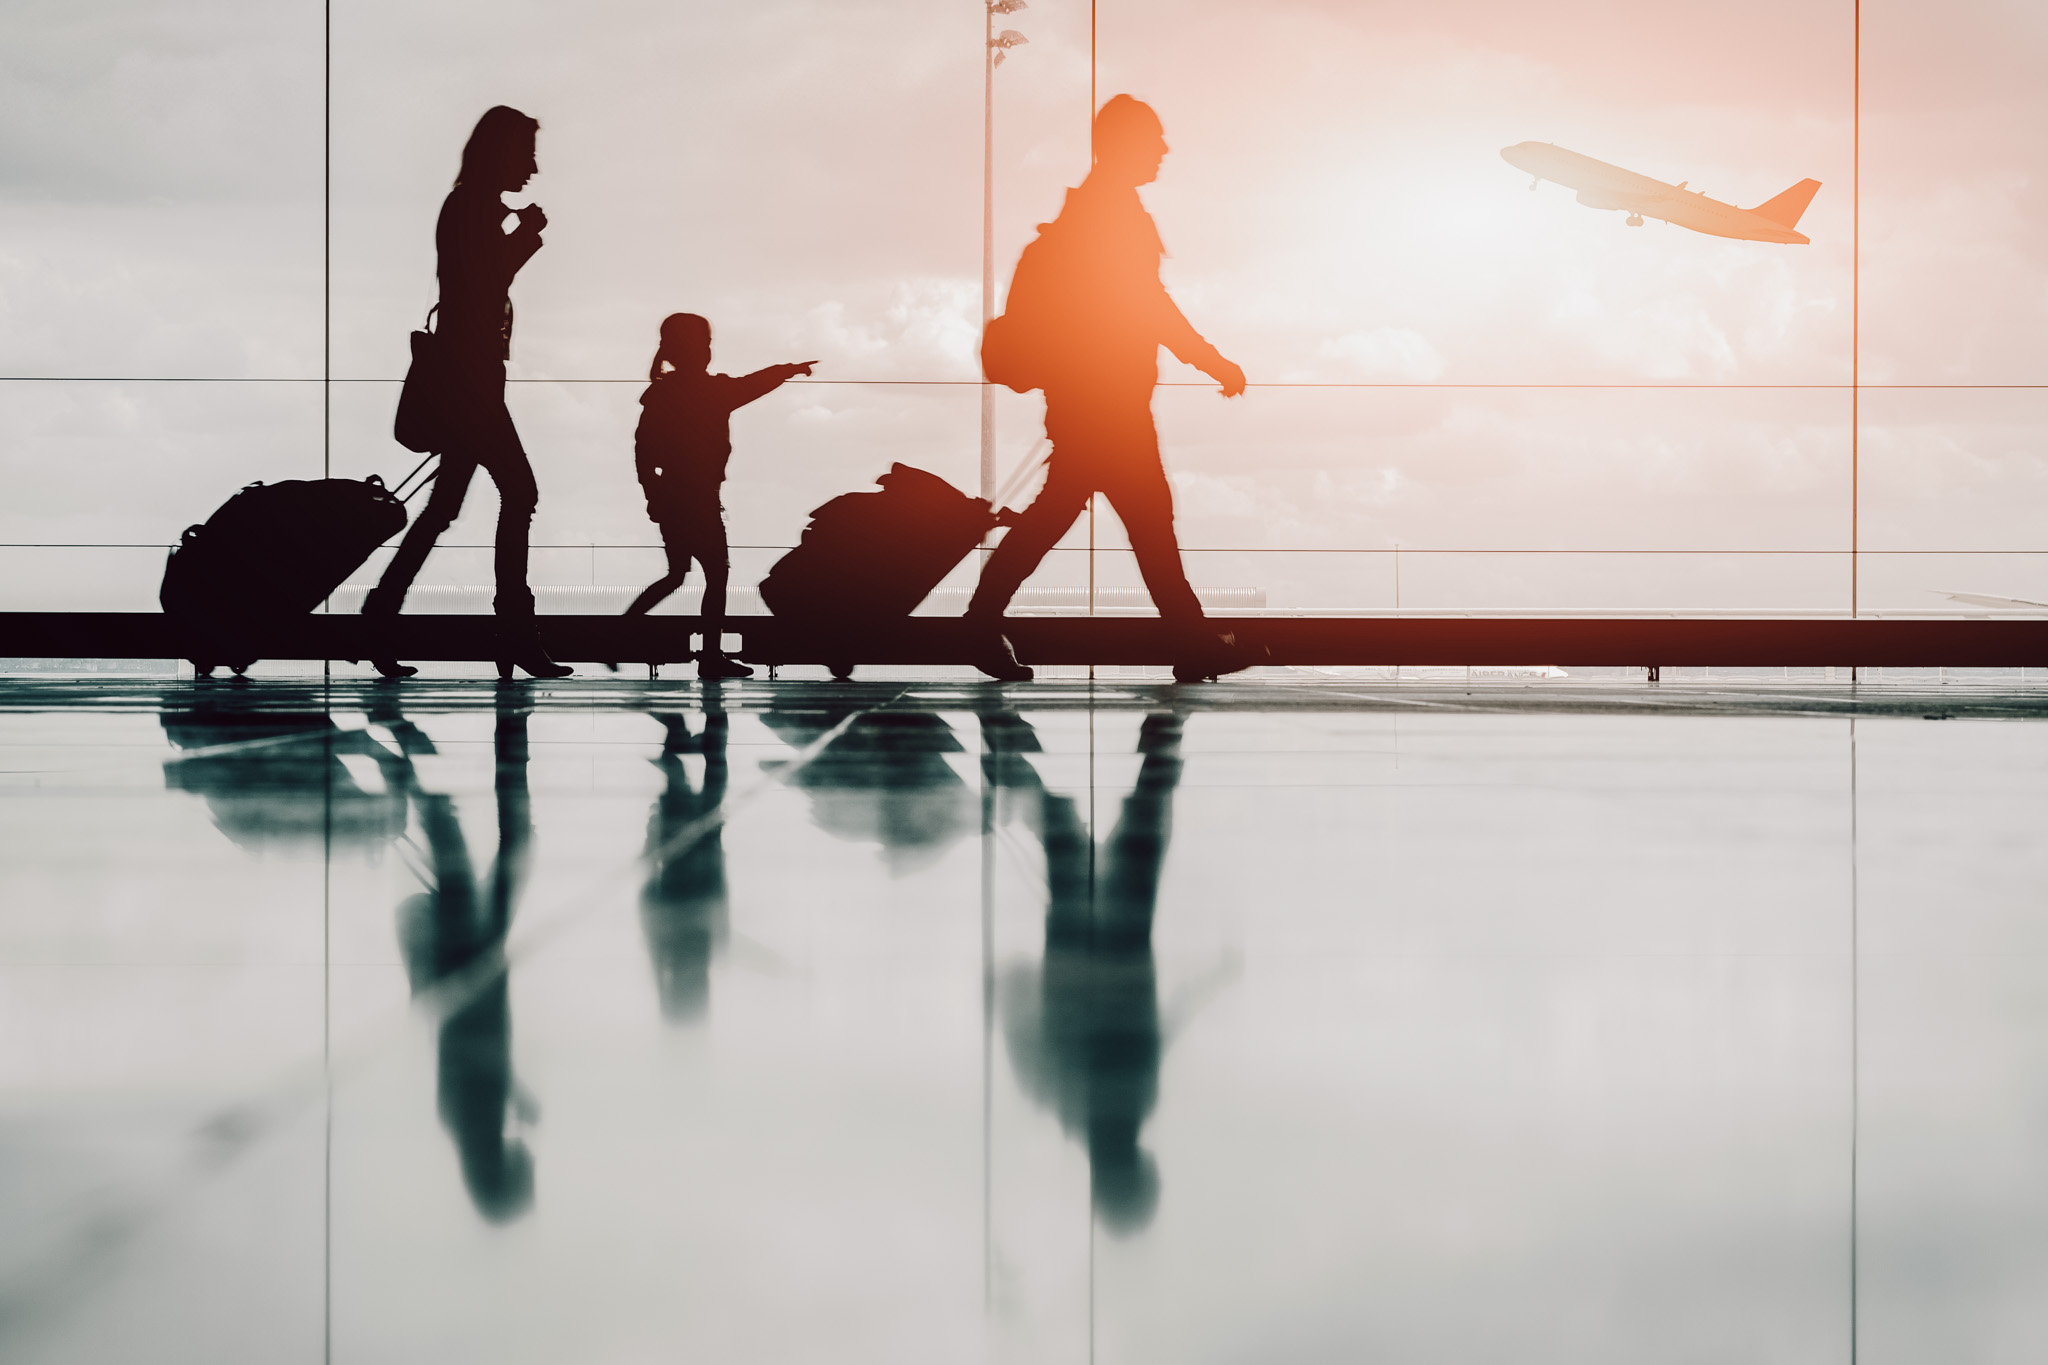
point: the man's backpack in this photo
(1020, 349)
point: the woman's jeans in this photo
(482, 434)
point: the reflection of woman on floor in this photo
(476, 260)
(683, 904)
(1084, 1029)
(452, 936)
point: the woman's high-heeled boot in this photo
(519, 647)
(378, 603)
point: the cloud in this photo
(1387, 353)
(927, 328)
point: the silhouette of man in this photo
(476, 260)
(455, 930)
(1084, 1031)
(683, 905)
(1104, 298)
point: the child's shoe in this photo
(712, 663)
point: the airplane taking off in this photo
(1602, 186)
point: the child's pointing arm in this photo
(748, 387)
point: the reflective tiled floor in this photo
(611, 1023)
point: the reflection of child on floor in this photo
(680, 448)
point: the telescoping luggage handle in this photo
(1017, 481)
(400, 492)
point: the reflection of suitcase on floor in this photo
(272, 551)
(874, 556)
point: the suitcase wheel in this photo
(201, 669)
(841, 670)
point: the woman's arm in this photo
(521, 242)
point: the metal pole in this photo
(327, 266)
(1855, 313)
(988, 241)
(988, 1016)
(1091, 497)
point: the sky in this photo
(808, 176)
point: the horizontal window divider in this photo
(1646, 385)
(1082, 549)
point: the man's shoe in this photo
(711, 664)
(999, 661)
(1210, 655)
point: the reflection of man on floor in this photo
(1084, 1030)
(453, 933)
(683, 904)
(1088, 313)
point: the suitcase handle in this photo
(1015, 484)
(408, 497)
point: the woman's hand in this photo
(1229, 376)
(531, 217)
(798, 367)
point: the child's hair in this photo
(677, 330)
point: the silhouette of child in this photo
(680, 449)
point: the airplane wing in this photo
(1985, 599)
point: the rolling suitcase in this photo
(272, 551)
(874, 556)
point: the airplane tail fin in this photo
(1788, 207)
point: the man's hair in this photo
(1121, 118)
(500, 133)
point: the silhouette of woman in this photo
(476, 260)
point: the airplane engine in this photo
(1595, 199)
